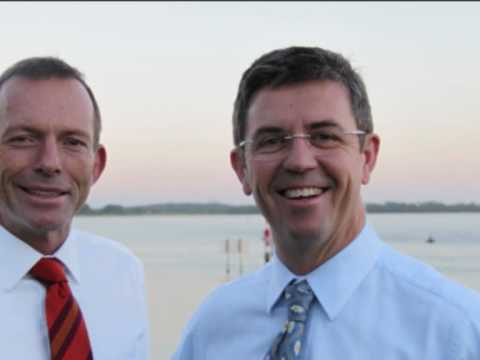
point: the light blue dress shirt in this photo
(371, 303)
(107, 282)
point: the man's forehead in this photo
(60, 102)
(307, 104)
(24, 83)
(19, 91)
(329, 88)
(323, 124)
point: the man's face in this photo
(48, 160)
(310, 197)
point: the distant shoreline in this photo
(224, 209)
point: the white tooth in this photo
(44, 193)
(305, 192)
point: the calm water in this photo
(185, 256)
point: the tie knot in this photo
(299, 297)
(48, 271)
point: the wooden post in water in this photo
(227, 264)
(240, 255)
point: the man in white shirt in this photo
(304, 146)
(50, 156)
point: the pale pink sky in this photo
(165, 75)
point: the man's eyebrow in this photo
(75, 132)
(21, 128)
(328, 123)
(322, 124)
(268, 130)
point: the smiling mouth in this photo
(303, 193)
(44, 193)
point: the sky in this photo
(166, 74)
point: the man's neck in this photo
(305, 255)
(46, 242)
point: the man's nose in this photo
(301, 155)
(49, 159)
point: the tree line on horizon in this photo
(218, 208)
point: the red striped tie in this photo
(66, 327)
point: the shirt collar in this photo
(68, 254)
(335, 281)
(17, 258)
(280, 277)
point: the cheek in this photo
(260, 176)
(81, 173)
(14, 162)
(346, 172)
(11, 170)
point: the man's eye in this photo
(270, 142)
(74, 142)
(21, 140)
(324, 138)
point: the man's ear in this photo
(370, 152)
(99, 163)
(237, 161)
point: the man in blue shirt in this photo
(304, 146)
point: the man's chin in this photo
(308, 225)
(305, 235)
(47, 224)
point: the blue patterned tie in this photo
(288, 344)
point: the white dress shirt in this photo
(107, 282)
(371, 303)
